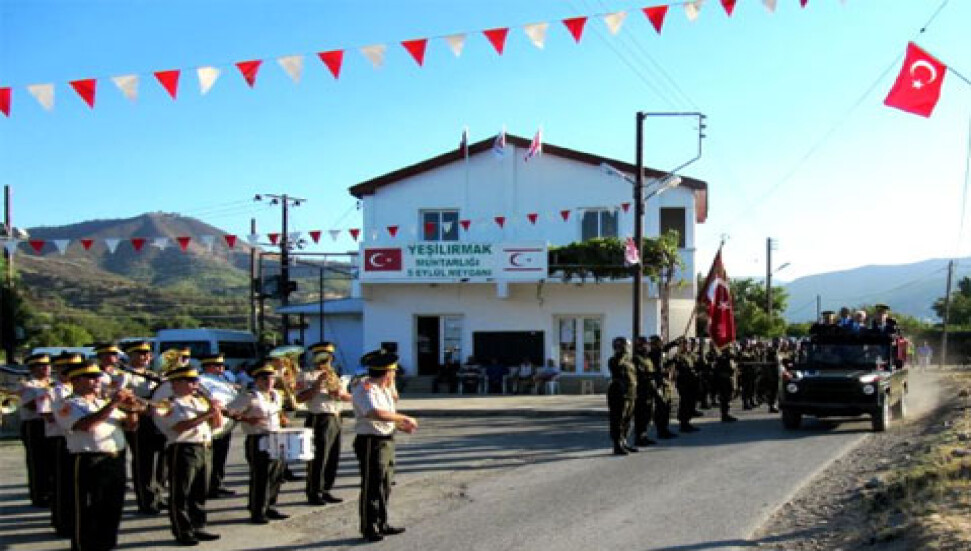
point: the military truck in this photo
(847, 374)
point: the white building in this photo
(454, 257)
(339, 321)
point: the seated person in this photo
(545, 374)
(524, 377)
(470, 375)
(882, 321)
(495, 374)
(447, 377)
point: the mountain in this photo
(907, 288)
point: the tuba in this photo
(10, 391)
(289, 356)
(170, 360)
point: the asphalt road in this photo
(545, 480)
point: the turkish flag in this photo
(918, 86)
(716, 294)
(382, 260)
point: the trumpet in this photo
(9, 402)
(132, 402)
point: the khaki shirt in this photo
(323, 401)
(58, 393)
(366, 397)
(140, 385)
(105, 437)
(184, 409)
(33, 391)
(266, 406)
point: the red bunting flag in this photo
(5, 100)
(803, 3)
(315, 235)
(183, 242)
(86, 243)
(393, 230)
(230, 240)
(565, 214)
(625, 206)
(501, 220)
(354, 233)
(656, 15)
(274, 237)
(85, 88)
(918, 86)
(497, 37)
(249, 69)
(429, 228)
(37, 245)
(138, 243)
(532, 217)
(466, 224)
(729, 6)
(575, 26)
(417, 49)
(169, 80)
(333, 60)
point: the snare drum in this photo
(291, 445)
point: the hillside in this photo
(908, 288)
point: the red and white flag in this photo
(632, 255)
(918, 86)
(717, 295)
(535, 146)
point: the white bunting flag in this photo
(11, 246)
(375, 54)
(293, 65)
(112, 244)
(61, 245)
(161, 242)
(208, 241)
(537, 34)
(253, 239)
(334, 234)
(447, 227)
(128, 84)
(456, 42)
(769, 5)
(693, 10)
(614, 21)
(374, 235)
(44, 94)
(207, 78)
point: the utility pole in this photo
(8, 325)
(819, 307)
(285, 289)
(947, 313)
(768, 277)
(253, 288)
(8, 224)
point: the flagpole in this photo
(694, 311)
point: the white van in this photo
(236, 346)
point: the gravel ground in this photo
(828, 513)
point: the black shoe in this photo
(630, 448)
(372, 537)
(729, 419)
(273, 514)
(392, 530)
(187, 541)
(331, 498)
(289, 476)
(206, 536)
(697, 413)
(316, 500)
(645, 441)
(259, 520)
(689, 428)
(620, 450)
(666, 435)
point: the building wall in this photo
(346, 331)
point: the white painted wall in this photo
(346, 331)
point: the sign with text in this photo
(449, 261)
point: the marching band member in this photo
(108, 355)
(215, 384)
(62, 511)
(34, 400)
(374, 400)
(96, 441)
(261, 411)
(187, 425)
(323, 392)
(146, 443)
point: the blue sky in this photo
(799, 147)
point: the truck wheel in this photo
(791, 419)
(882, 417)
(900, 408)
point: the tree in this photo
(960, 309)
(751, 318)
(62, 334)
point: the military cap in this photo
(37, 359)
(322, 357)
(68, 359)
(881, 307)
(212, 359)
(380, 360)
(325, 346)
(187, 372)
(106, 348)
(84, 368)
(262, 368)
(137, 346)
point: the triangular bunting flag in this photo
(249, 69)
(333, 234)
(692, 10)
(565, 214)
(293, 66)
(128, 84)
(497, 37)
(5, 101)
(169, 80)
(447, 227)
(429, 227)
(112, 244)
(537, 34)
(253, 238)
(137, 243)
(11, 246)
(161, 243)
(456, 42)
(729, 6)
(354, 233)
(500, 220)
(393, 230)
(614, 21)
(375, 54)
(37, 245)
(417, 49)
(315, 235)
(532, 217)
(803, 3)
(769, 5)
(230, 240)
(656, 15)
(183, 242)
(333, 60)
(465, 224)
(85, 88)
(86, 243)
(44, 94)
(274, 237)
(208, 241)
(61, 245)
(625, 206)
(575, 26)
(207, 78)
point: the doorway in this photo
(428, 344)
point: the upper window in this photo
(598, 223)
(672, 218)
(440, 225)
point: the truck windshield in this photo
(842, 356)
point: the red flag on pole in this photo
(717, 295)
(918, 86)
